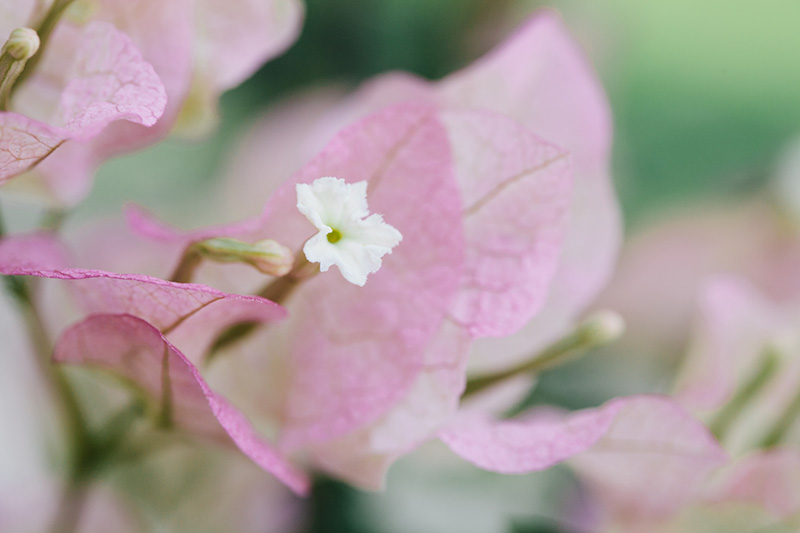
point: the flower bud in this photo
(22, 44)
(267, 255)
(602, 327)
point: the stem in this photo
(278, 291)
(600, 329)
(53, 219)
(44, 29)
(784, 423)
(75, 420)
(281, 288)
(10, 71)
(184, 272)
(768, 366)
(165, 415)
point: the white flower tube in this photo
(349, 237)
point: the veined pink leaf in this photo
(516, 191)
(357, 350)
(136, 350)
(110, 81)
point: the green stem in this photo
(190, 260)
(724, 419)
(75, 421)
(165, 414)
(788, 417)
(598, 330)
(278, 291)
(44, 29)
(10, 71)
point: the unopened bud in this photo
(267, 255)
(22, 44)
(602, 327)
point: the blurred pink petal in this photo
(734, 328)
(739, 334)
(136, 350)
(769, 479)
(33, 251)
(654, 458)
(686, 247)
(236, 38)
(36, 509)
(535, 442)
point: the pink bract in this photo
(174, 58)
(534, 252)
(537, 77)
(136, 350)
(654, 459)
(132, 340)
(739, 334)
(501, 170)
(108, 81)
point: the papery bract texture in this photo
(136, 350)
(357, 350)
(132, 341)
(195, 49)
(541, 78)
(108, 81)
(516, 209)
(516, 190)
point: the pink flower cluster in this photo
(115, 76)
(496, 176)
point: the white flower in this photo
(349, 237)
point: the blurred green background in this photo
(705, 96)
